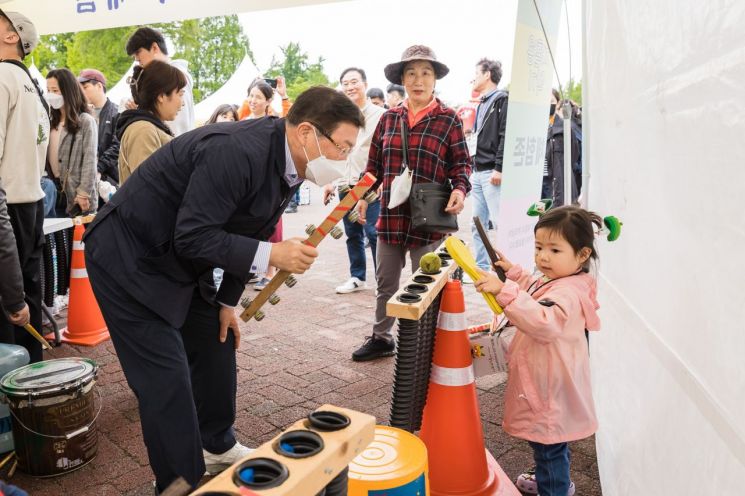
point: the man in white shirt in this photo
(24, 136)
(354, 84)
(147, 44)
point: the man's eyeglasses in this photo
(343, 150)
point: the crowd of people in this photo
(195, 214)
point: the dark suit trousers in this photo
(184, 379)
(27, 220)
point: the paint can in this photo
(54, 416)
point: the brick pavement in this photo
(296, 359)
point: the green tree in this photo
(574, 90)
(102, 49)
(213, 47)
(299, 74)
(51, 52)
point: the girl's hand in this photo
(488, 282)
(503, 262)
(281, 87)
(85, 203)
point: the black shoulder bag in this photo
(427, 201)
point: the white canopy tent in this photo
(120, 91)
(62, 16)
(233, 91)
(36, 74)
(664, 107)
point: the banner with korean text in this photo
(62, 16)
(527, 127)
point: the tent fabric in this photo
(120, 91)
(664, 113)
(233, 91)
(63, 16)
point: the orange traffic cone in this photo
(85, 324)
(451, 427)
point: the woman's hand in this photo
(456, 203)
(488, 282)
(281, 87)
(84, 202)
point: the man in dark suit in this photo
(210, 198)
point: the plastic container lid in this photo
(49, 377)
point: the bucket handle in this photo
(69, 435)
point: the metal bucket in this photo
(54, 419)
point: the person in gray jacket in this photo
(11, 283)
(73, 143)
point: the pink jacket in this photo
(548, 398)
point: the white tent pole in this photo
(566, 110)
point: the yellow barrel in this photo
(394, 464)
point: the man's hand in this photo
(455, 204)
(228, 320)
(496, 178)
(292, 255)
(328, 193)
(21, 317)
(130, 105)
(361, 209)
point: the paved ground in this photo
(296, 359)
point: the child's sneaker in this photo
(526, 483)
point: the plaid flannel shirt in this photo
(437, 153)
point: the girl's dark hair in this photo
(157, 78)
(574, 224)
(225, 108)
(74, 104)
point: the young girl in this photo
(548, 400)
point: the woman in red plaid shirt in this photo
(437, 154)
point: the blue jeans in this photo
(356, 242)
(486, 207)
(551, 468)
(50, 196)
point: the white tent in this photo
(62, 16)
(233, 91)
(36, 74)
(664, 108)
(120, 91)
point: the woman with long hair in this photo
(73, 142)
(158, 91)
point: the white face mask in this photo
(321, 171)
(54, 100)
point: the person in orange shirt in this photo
(259, 100)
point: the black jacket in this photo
(108, 144)
(555, 160)
(11, 278)
(490, 143)
(204, 200)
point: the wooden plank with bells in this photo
(313, 240)
(415, 310)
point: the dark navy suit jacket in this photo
(202, 201)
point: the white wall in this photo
(665, 133)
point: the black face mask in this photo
(552, 109)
